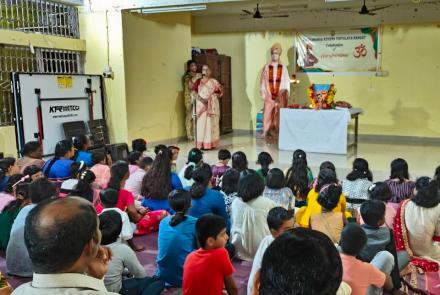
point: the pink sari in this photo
(208, 116)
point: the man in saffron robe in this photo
(275, 90)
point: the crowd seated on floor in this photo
(69, 224)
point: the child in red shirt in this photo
(208, 270)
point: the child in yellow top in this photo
(325, 178)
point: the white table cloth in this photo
(316, 131)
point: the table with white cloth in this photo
(317, 131)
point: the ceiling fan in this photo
(364, 10)
(258, 15)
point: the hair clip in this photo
(21, 180)
(83, 174)
(300, 156)
(372, 187)
(365, 172)
(325, 187)
(81, 165)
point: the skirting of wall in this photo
(397, 139)
(169, 141)
(366, 138)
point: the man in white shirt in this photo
(64, 243)
(279, 220)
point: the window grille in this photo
(21, 59)
(39, 16)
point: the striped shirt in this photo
(400, 190)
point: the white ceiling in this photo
(307, 14)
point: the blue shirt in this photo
(175, 182)
(211, 202)
(175, 243)
(60, 169)
(17, 256)
(86, 157)
(3, 183)
(154, 205)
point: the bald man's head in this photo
(57, 231)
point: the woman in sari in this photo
(417, 223)
(207, 92)
(417, 231)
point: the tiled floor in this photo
(422, 159)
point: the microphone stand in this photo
(194, 115)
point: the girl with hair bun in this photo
(329, 222)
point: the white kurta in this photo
(422, 224)
(249, 225)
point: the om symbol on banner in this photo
(360, 51)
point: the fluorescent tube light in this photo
(173, 9)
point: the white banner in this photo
(338, 51)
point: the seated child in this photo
(279, 220)
(101, 170)
(82, 144)
(177, 238)
(264, 160)
(324, 165)
(140, 145)
(34, 172)
(277, 191)
(10, 212)
(209, 268)
(400, 185)
(219, 169)
(59, 166)
(134, 182)
(299, 177)
(133, 161)
(380, 238)
(381, 191)
(361, 275)
(326, 177)
(8, 194)
(8, 167)
(329, 222)
(68, 185)
(109, 198)
(230, 187)
(355, 186)
(146, 221)
(124, 259)
(174, 155)
(301, 261)
(84, 188)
